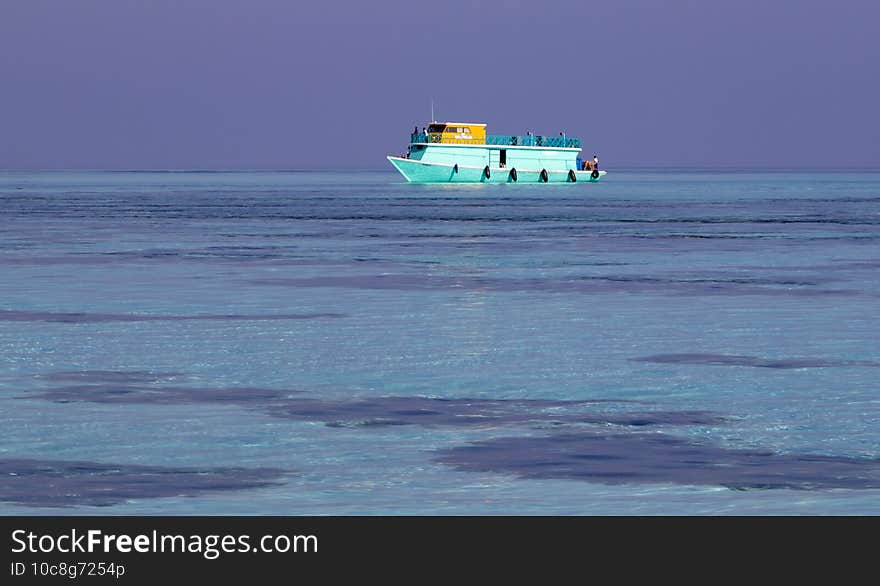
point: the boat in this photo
(458, 152)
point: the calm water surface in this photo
(673, 342)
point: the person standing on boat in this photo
(595, 162)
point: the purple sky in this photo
(291, 84)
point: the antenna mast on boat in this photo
(432, 111)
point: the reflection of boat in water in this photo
(464, 153)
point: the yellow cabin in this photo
(457, 133)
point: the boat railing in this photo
(532, 140)
(500, 140)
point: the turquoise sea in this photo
(287, 343)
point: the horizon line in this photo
(729, 168)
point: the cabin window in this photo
(436, 127)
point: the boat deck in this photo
(498, 140)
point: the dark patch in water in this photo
(471, 412)
(846, 265)
(118, 387)
(131, 394)
(76, 317)
(58, 483)
(593, 284)
(110, 376)
(735, 360)
(641, 458)
(369, 423)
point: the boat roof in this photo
(459, 123)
